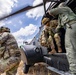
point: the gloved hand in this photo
(57, 30)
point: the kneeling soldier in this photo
(50, 27)
(9, 52)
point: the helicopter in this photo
(34, 53)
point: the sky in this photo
(23, 26)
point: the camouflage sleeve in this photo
(3, 37)
(58, 10)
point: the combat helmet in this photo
(4, 29)
(45, 21)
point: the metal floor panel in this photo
(58, 71)
(58, 61)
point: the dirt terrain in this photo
(38, 69)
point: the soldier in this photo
(67, 19)
(9, 52)
(51, 34)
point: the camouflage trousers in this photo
(70, 45)
(10, 64)
(13, 70)
(57, 40)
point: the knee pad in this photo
(56, 35)
(57, 39)
(50, 38)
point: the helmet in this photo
(45, 21)
(63, 4)
(4, 29)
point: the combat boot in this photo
(59, 50)
(53, 51)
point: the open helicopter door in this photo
(32, 54)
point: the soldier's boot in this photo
(53, 51)
(59, 50)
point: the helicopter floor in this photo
(57, 62)
(58, 71)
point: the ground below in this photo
(38, 69)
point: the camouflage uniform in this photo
(44, 34)
(50, 34)
(9, 52)
(53, 35)
(67, 19)
(43, 38)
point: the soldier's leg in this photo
(58, 42)
(51, 44)
(14, 61)
(43, 41)
(70, 45)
